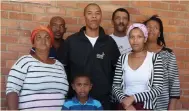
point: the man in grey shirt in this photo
(120, 20)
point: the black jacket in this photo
(79, 56)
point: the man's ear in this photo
(73, 87)
(129, 24)
(112, 22)
(65, 29)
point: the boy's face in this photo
(82, 86)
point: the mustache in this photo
(57, 32)
(93, 20)
(121, 24)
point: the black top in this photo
(79, 56)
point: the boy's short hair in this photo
(81, 75)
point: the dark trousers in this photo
(106, 105)
(105, 101)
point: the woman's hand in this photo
(127, 101)
(131, 107)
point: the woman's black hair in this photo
(160, 40)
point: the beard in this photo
(121, 27)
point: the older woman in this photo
(138, 76)
(37, 82)
(171, 85)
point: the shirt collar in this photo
(77, 101)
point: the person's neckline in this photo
(97, 35)
(157, 51)
(119, 36)
(44, 62)
(90, 36)
(147, 53)
(88, 100)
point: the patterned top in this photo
(39, 86)
(155, 83)
(74, 104)
(171, 85)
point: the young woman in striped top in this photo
(138, 76)
(171, 85)
(37, 82)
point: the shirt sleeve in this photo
(157, 82)
(98, 105)
(100, 108)
(16, 77)
(174, 83)
(117, 87)
(66, 105)
(64, 108)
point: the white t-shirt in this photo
(136, 81)
(122, 43)
(92, 39)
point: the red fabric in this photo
(138, 106)
(40, 28)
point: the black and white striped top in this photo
(171, 85)
(39, 86)
(155, 82)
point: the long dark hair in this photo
(160, 40)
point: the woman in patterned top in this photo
(37, 82)
(138, 76)
(156, 43)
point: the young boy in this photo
(82, 85)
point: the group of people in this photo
(131, 69)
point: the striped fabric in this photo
(74, 104)
(39, 86)
(155, 83)
(171, 85)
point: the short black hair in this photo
(160, 40)
(121, 10)
(55, 18)
(81, 75)
(90, 5)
